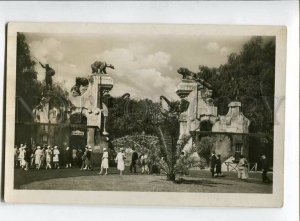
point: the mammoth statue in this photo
(99, 67)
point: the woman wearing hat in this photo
(120, 159)
(104, 163)
(56, 157)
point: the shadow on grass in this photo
(24, 177)
(199, 182)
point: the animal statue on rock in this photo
(99, 67)
(189, 75)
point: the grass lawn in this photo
(197, 181)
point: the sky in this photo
(145, 65)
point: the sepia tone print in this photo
(154, 111)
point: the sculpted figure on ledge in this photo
(99, 67)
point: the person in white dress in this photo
(38, 154)
(104, 163)
(145, 162)
(120, 160)
(48, 157)
(243, 168)
(56, 157)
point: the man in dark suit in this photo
(134, 159)
(213, 161)
(264, 168)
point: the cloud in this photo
(216, 49)
(47, 50)
(225, 51)
(142, 68)
(50, 51)
(212, 47)
(140, 72)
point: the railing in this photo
(234, 166)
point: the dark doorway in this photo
(205, 126)
(77, 141)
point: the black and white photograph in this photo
(155, 109)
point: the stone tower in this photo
(89, 104)
(201, 119)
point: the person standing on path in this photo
(38, 157)
(145, 162)
(104, 163)
(56, 157)
(16, 156)
(218, 166)
(22, 156)
(134, 158)
(48, 157)
(120, 160)
(27, 154)
(74, 156)
(88, 158)
(67, 157)
(213, 161)
(84, 151)
(243, 168)
(265, 168)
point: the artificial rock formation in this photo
(90, 105)
(201, 119)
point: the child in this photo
(104, 163)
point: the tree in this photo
(248, 76)
(29, 90)
(129, 117)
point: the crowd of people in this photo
(120, 159)
(47, 157)
(242, 167)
